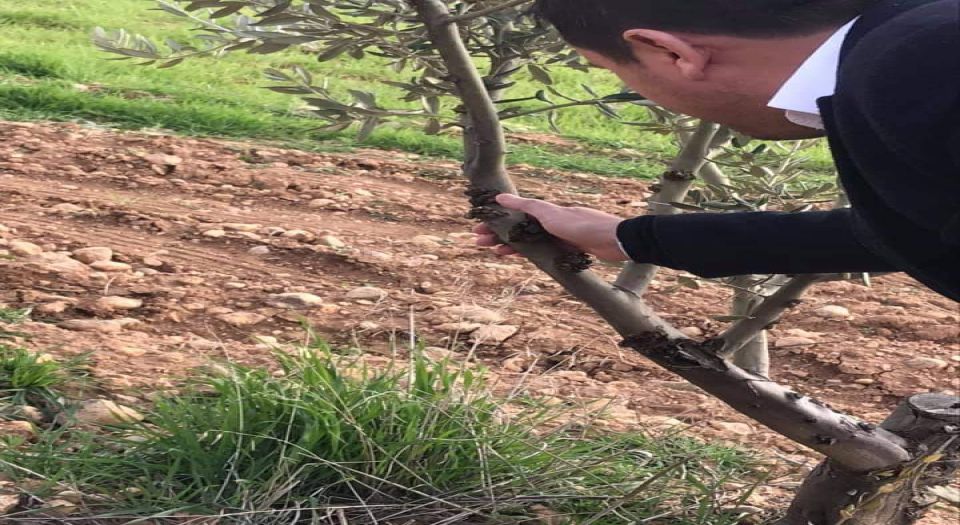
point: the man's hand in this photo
(591, 231)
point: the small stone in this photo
(72, 496)
(105, 412)
(295, 300)
(368, 293)
(259, 250)
(241, 319)
(161, 159)
(152, 262)
(426, 288)
(333, 242)
(113, 303)
(24, 248)
(32, 413)
(104, 326)
(58, 508)
(362, 193)
(240, 227)
(322, 203)
(691, 332)
(300, 235)
(740, 429)
(110, 266)
(56, 307)
(132, 351)
(493, 334)
(66, 208)
(92, 255)
(368, 325)
(787, 342)
(925, 363)
(426, 240)
(214, 234)
(832, 311)
(8, 503)
(23, 430)
(865, 381)
(476, 314)
(462, 327)
(435, 353)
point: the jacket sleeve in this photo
(721, 245)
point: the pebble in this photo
(241, 319)
(24, 248)
(300, 235)
(333, 242)
(294, 300)
(493, 334)
(66, 208)
(19, 429)
(462, 327)
(240, 227)
(477, 314)
(132, 351)
(362, 193)
(740, 429)
(865, 381)
(104, 326)
(92, 255)
(925, 363)
(369, 293)
(832, 311)
(691, 331)
(214, 234)
(58, 508)
(787, 342)
(322, 203)
(110, 266)
(105, 412)
(259, 250)
(32, 413)
(112, 303)
(8, 503)
(161, 159)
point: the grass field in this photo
(50, 70)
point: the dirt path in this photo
(210, 231)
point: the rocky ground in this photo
(155, 254)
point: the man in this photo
(881, 78)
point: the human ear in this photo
(691, 61)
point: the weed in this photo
(330, 441)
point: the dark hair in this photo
(598, 25)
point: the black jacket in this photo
(894, 130)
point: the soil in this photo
(208, 232)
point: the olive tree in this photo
(462, 56)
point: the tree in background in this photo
(872, 475)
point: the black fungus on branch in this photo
(574, 262)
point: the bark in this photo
(835, 495)
(766, 314)
(856, 446)
(748, 294)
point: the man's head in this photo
(721, 60)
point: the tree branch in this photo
(674, 185)
(766, 314)
(485, 12)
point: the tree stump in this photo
(929, 424)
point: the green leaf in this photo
(230, 9)
(540, 74)
(369, 125)
(333, 51)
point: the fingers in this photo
(504, 250)
(482, 229)
(534, 207)
(487, 240)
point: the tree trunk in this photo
(833, 495)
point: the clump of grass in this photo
(27, 377)
(333, 443)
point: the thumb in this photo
(534, 207)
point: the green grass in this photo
(50, 70)
(422, 446)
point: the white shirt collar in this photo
(816, 78)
